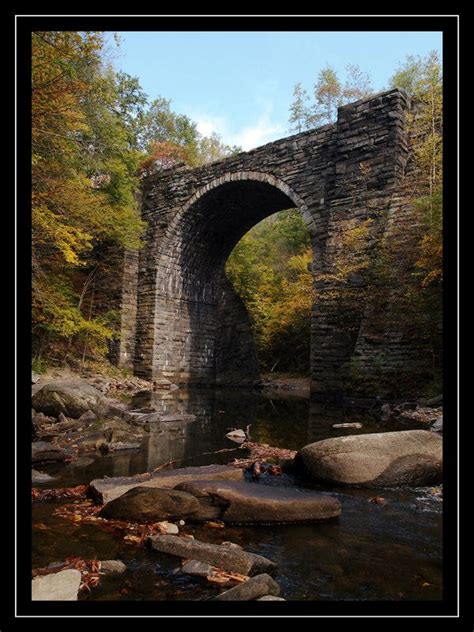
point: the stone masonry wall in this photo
(190, 327)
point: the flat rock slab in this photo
(44, 451)
(243, 502)
(405, 457)
(106, 489)
(62, 586)
(149, 504)
(225, 557)
(254, 588)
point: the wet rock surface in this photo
(148, 504)
(42, 451)
(227, 558)
(407, 457)
(242, 502)
(107, 489)
(112, 567)
(252, 589)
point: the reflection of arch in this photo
(201, 329)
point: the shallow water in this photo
(372, 552)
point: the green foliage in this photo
(84, 184)
(269, 268)
(39, 366)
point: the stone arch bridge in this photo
(182, 320)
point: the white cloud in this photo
(263, 131)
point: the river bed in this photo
(390, 551)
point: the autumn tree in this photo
(269, 269)
(299, 109)
(357, 84)
(329, 93)
(83, 185)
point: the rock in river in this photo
(73, 398)
(148, 504)
(40, 477)
(242, 502)
(225, 557)
(62, 586)
(405, 457)
(106, 489)
(43, 451)
(252, 589)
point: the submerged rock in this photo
(406, 457)
(148, 504)
(62, 586)
(107, 489)
(242, 502)
(73, 398)
(112, 567)
(252, 589)
(224, 557)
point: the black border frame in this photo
(445, 608)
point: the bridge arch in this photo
(202, 331)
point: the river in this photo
(390, 551)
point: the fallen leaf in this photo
(214, 524)
(132, 538)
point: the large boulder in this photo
(62, 586)
(72, 398)
(253, 503)
(228, 558)
(406, 457)
(148, 504)
(106, 489)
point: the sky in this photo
(240, 84)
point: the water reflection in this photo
(276, 419)
(385, 552)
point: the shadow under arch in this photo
(202, 329)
